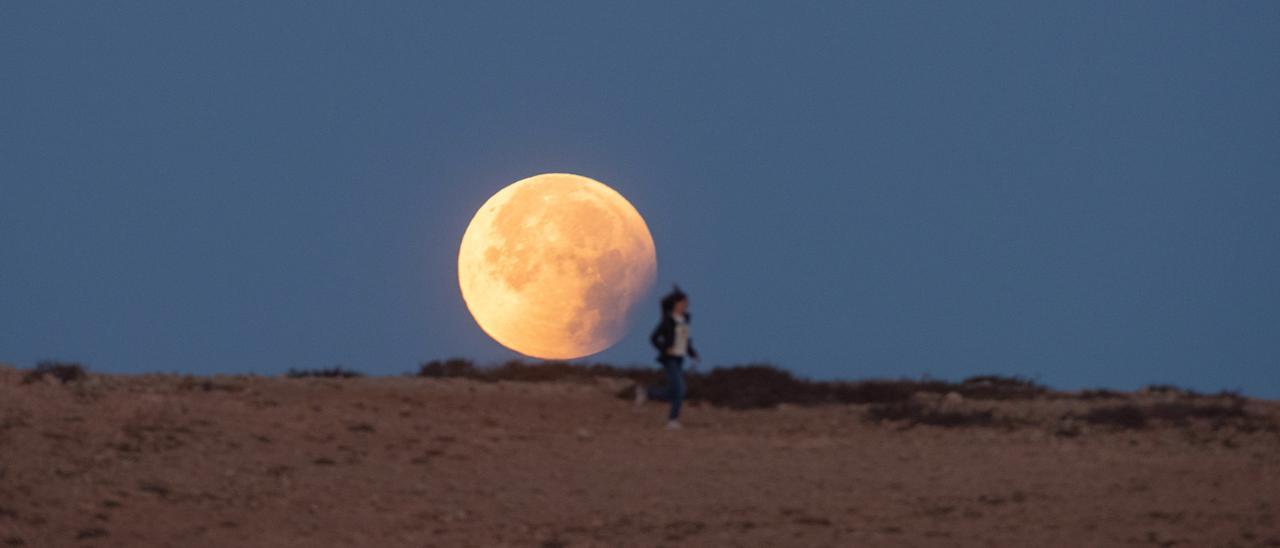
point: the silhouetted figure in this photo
(673, 342)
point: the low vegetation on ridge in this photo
(982, 400)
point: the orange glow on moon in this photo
(551, 265)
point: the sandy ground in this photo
(251, 461)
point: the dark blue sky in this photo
(1085, 193)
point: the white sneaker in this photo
(673, 425)
(641, 395)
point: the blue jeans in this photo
(675, 389)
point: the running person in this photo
(671, 338)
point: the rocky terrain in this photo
(166, 460)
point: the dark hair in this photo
(670, 299)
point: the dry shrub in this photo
(1187, 393)
(750, 386)
(452, 367)
(1231, 413)
(763, 385)
(635, 373)
(997, 387)
(1218, 414)
(882, 391)
(754, 386)
(982, 387)
(914, 413)
(63, 371)
(555, 371)
(1122, 417)
(1101, 394)
(1182, 412)
(520, 371)
(192, 384)
(336, 372)
(1165, 389)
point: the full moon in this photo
(551, 265)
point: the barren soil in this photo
(162, 460)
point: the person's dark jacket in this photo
(664, 336)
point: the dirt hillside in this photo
(161, 460)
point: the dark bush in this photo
(207, 385)
(519, 371)
(1171, 389)
(1182, 413)
(63, 371)
(876, 391)
(997, 387)
(1102, 394)
(914, 413)
(754, 386)
(646, 374)
(1233, 395)
(1123, 417)
(452, 367)
(761, 385)
(985, 387)
(998, 380)
(337, 372)
(1189, 394)
(741, 387)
